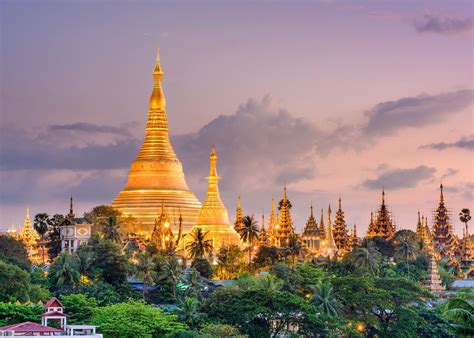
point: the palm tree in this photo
(228, 259)
(364, 259)
(145, 267)
(171, 273)
(110, 228)
(294, 246)
(195, 284)
(85, 258)
(465, 216)
(189, 311)
(64, 271)
(270, 284)
(249, 233)
(40, 224)
(406, 247)
(199, 245)
(461, 315)
(325, 299)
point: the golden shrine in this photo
(156, 176)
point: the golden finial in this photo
(157, 99)
(213, 160)
(383, 196)
(311, 210)
(340, 204)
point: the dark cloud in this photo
(389, 117)
(90, 128)
(400, 178)
(443, 25)
(258, 145)
(466, 142)
(21, 150)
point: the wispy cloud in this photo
(416, 112)
(90, 128)
(443, 25)
(400, 178)
(466, 142)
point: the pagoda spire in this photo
(328, 246)
(285, 222)
(213, 217)
(311, 235)
(341, 235)
(239, 216)
(322, 230)
(71, 208)
(272, 223)
(433, 283)
(445, 241)
(263, 237)
(419, 227)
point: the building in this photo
(444, 240)
(73, 231)
(311, 235)
(54, 311)
(340, 232)
(383, 225)
(263, 236)
(284, 227)
(213, 218)
(272, 223)
(433, 283)
(162, 235)
(156, 176)
(37, 254)
(327, 246)
(239, 216)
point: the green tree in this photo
(324, 298)
(111, 228)
(406, 247)
(135, 319)
(79, 308)
(220, 330)
(85, 257)
(145, 268)
(294, 247)
(365, 260)
(41, 223)
(189, 311)
(248, 232)
(199, 245)
(169, 274)
(64, 272)
(54, 234)
(266, 256)
(203, 266)
(228, 259)
(14, 283)
(461, 316)
(11, 313)
(14, 252)
(109, 264)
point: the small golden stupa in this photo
(156, 176)
(213, 217)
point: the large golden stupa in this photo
(213, 217)
(156, 176)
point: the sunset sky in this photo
(333, 98)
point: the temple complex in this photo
(285, 223)
(327, 246)
(445, 241)
(213, 217)
(311, 235)
(340, 232)
(156, 176)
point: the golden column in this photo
(156, 176)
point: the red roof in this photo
(29, 327)
(54, 313)
(53, 302)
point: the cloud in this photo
(20, 149)
(443, 25)
(388, 117)
(449, 172)
(90, 128)
(466, 142)
(400, 178)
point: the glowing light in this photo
(360, 327)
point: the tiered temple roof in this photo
(272, 223)
(466, 258)
(445, 241)
(311, 235)
(285, 222)
(433, 283)
(383, 225)
(341, 235)
(239, 216)
(263, 237)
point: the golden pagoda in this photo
(354, 238)
(30, 239)
(213, 217)
(285, 222)
(156, 176)
(272, 223)
(322, 230)
(327, 247)
(371, 228)
(341, 235)
(263, 237)
(311, 235)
